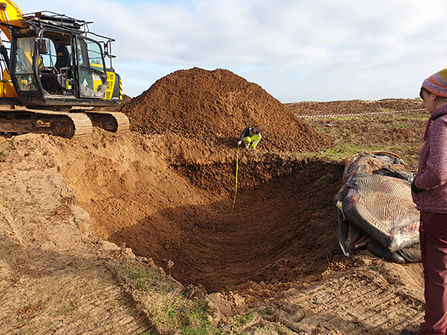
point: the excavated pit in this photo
(172, 200)
(282, 228)
(166, 189)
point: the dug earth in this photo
(164, 193)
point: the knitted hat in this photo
(437, 83)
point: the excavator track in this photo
(59, 123)
(112, 121)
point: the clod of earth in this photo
(375, 208)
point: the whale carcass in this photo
(375, 209)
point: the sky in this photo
(296, 50)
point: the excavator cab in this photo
(54, 62)
(56, 76)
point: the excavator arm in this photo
(10, 13)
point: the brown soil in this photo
(213, 107)
(166, 191)
(354, 106)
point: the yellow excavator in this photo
(53, 76)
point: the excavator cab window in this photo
(23, 63)
(48, 58)
(54, 68)
(92, 74)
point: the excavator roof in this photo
(62, 22)
(47, 18)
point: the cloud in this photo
(297, 50)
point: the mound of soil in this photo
(213, 107)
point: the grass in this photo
(398, 133)
(243, 319)
(4, 147)
(166, 300)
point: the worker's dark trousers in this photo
(433, 238)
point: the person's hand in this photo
(415, 189)
(239, 143)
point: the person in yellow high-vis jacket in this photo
(250, 135)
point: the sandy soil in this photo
(166, 191)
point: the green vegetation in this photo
(399, 133)
(169, 305)
(4, 147)
(243, 319)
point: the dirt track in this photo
(166, 191)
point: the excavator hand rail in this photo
(107, 44)
(49, 18)
(63, 21)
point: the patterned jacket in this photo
(431, 176)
